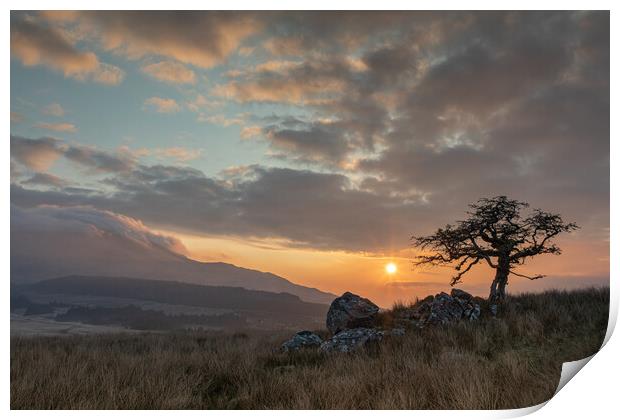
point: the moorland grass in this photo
(511, 361)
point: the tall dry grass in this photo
(509, 362)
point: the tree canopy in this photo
(496, 232)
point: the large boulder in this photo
(301, 340)
(350, 340)
(350, 311)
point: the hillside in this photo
(96, 249)
(512, 361)
(176, 293)
(160, 304)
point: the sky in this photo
(315, 144)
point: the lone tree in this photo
(497, 233)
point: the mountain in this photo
(54, 242)
(176, 293)
(159, 305)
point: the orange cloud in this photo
(61, 127)
(36, 45)
(286, 81)
(108, 74)
(162, 105)
(202, 39)
(180, 154)
(35, 154)
(170, 72)
(221, 120)
(251, 132)
(276, 90)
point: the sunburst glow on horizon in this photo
(391, 268)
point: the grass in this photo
(512, 361)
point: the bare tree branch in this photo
(536, 277)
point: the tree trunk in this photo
(498, 287)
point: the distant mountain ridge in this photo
(177, 293)
(42, 255)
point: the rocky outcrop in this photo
(303, 339)
(443, 309)
(350, 340)
(461, 294)
(351, 311)
(355, 323)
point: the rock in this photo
(493, 309)
(444, 309)
(461, 294)
(472, 313)
(471, 309)
(350, 340)
(303, 339)
(350, 311)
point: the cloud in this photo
(108, 74)
(180, 154)
(200, 104)
(170, 72)
(89, 221)
(162, 105)
(16, 117)
(298, 33)
(39, 154)
(315, 143)
(38, 45)
(54, 109)
(203, 39)
(36, 154)
(305, 208)
(388, 123)
(251, 132)
(98, 160)
(46, 179)
(60, 127)
(34, 44)
(288, 82)
(220, 119)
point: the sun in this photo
(391, 268)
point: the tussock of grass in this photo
(509, 362)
